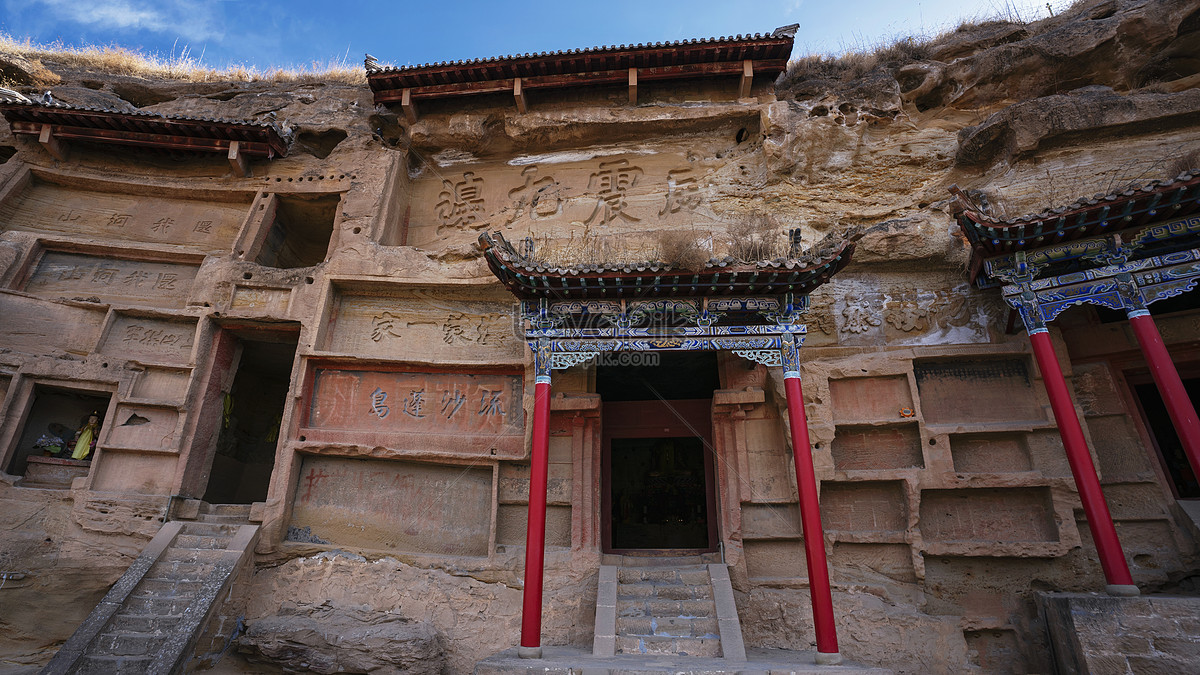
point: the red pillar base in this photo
(529, 652)
(828, 659)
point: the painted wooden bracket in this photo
(747, 79)
(519, 95)
(410, 108)
(633, 86)
(53, 144)
(237, 160)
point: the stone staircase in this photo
(151, 619)
(667, 611)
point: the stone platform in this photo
(1102, 635)
(52, 472)
(576, 661)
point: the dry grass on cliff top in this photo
(183, 67)
(854, 63)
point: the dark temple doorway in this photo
(1170, 450)
(251, 412)
(659, 487)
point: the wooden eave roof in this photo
(1102, 214)
(529, 280)
(585, 67)
(144, 129)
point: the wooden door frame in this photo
(657, 419)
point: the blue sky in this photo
(300, 32)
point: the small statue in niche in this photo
(85, 438)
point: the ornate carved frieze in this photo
(1123, 285)
(570, 332)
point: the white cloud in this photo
(174, 18)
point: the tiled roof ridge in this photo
(826, 248)
(276, 126)
(783, 32)
(964, 205)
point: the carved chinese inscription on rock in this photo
(860, 314)
(260, 300)
(908, 313)
(536, 198)
(628, 194)
(202, 226)
(460, 202)
(609, 184)
(683, 192)
(424, 327)
(71, 275)
(412, 402)
(155, 340)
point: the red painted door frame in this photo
(657, 419)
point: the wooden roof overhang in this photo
(756, 310)
(529, 280)
(59, 121)
(1124, 212)
(760, 54)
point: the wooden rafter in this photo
(602, 77)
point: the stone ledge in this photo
(1095, 633)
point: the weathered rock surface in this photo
(1026, 126)
(331, 638)
(1122, 44)
(471, 619)
(16, 70)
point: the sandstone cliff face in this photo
(1033, 116)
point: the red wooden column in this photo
(810, 509)
(1104, 533)
(535, 539)
(1170, 386)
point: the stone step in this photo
(668, 626)
(665, 591)
(189, 556)
(114, 665)
(44, 484)
(181, 571)
(692, 574)
(653, 645)
(227, 510)
(158, 606)
(205, 529)
(192, 541)
(567, 660)
(168, 588)
(126, 644)
(664, 608)
(224, 519)
(143, 623)
(674, 561)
